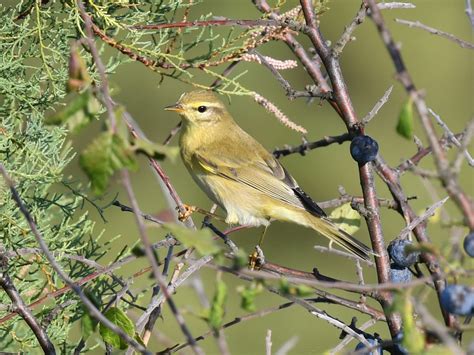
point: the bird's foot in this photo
(256, 259)
(187, 211)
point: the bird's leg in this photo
(257, 259)
(189, 210)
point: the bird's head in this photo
(200, 107)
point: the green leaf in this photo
(200, 239)
(88, 326)
(405, 120)
(413, 339)
(78, 113)
(119, 318)
(249, 294)
(155, 150)
(216, 313)
(107, 154)
(295, 290)
(346, 218)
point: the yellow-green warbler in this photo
(242, 177)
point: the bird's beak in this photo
(176, 108)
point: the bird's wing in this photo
(262, 172)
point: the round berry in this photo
(399, 253)
(458, 299)
(469, 244)
(373, 342)
(399, 274)
(364, 149)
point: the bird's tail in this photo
(331, 231)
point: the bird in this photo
(242, 177)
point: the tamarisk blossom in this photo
(276, 63)
(271, 107)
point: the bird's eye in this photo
(202, 109)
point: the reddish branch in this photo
(341, 96)
(207, 23)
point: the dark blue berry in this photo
(364, 149)
(469, 244)
(372, 342)
(399, 254)
(399, 274)
(458, 299)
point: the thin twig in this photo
(347, 340)
(469, 12)
(287, 346)
(377, 106)
(418, 24)
(195, 266)
(255, 315)
(427, 214)
(324, 249)
(346, 36)
(452, 137)
(268, 342)
(465, 141)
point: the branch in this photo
(307, 146)
(22, 309)
(434, 31)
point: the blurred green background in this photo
(437, 65)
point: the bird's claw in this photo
(256, 259)
(186, 212)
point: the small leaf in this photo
(78, 113)
(88, 326)
(120, 319)
(216, 313)
(103, 157)
(405, 120)
(249, 294)
(200, 239)
(155, 150)
(346, 218)
(295, 290)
